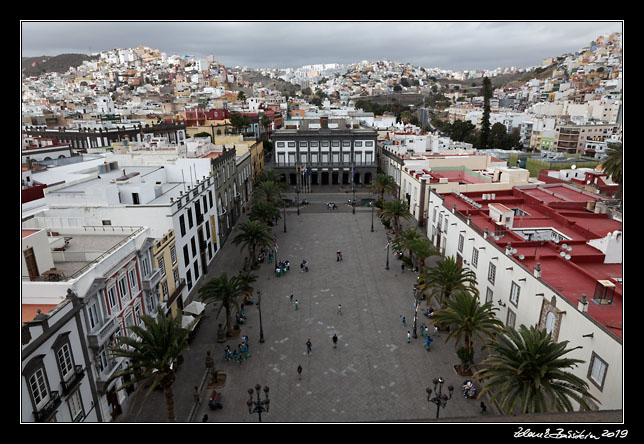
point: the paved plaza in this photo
(373, 374)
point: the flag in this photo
(387, 245)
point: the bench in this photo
(215, 400)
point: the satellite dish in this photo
(562, 254)
(567, 257)
(564, 246)
(521, 257)
(514, 251)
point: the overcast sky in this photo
(447, 45)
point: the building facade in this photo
(329, 151)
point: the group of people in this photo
(238, 355)
(282, 267)
(331, 206)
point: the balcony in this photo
(95, 340)
(69, 385)
(48, 409)
(151, 282)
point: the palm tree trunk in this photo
(169, 396)
(229, 322)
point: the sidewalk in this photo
(373, 375)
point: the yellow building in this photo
(165, 259)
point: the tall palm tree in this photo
(227, 292)
(246, 281)
(612, 164)
(527, 371)
(383, 183)
(253, 235)
(446, 277)
(394, 210)
(152, 350)
(268, 190)
(264, 211)
(407, 238)
(423, 248)
(467, 320)
(270, 175)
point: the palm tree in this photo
(612, 164)
(446, 277)
(392, 211)
(467, 320)
(254, 235)
(264, 211)
(152, 350)
(246, 281)
(226, 291)
(271, 176)
(269, 190)
(383, 183)
(423, 249)
(527, 371)
(407, 238)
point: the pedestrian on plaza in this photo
(308, 346)
(299, 371)
(402, 267)
(205, 418)
(291, 299)
(408, 337)
(404, 321)
(296, 304)
(339, 308)
(335, 340)
(483, 407)
(422, 329)
(227, 353)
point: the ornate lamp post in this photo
(284, 214)
(258, 406)
(440, 399)
(259, 308)
(415, 313)
(372, 205)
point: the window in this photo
(164, 291)
(39, 390)
(514, 293)
(161, 262)
(64, 357)
(146, 265)
(194, 246)
(186, 256)
(461, 241)
(597, 370)
(92, 311)
(173, 254)
(475, 257)
(111, 297)
(182, 225)
(175, 273)
(196, 268)
(491, 273)
(512, 319)
(134, 281)
(75, 406)
(489, 295)
(189, 279)
(190, 223)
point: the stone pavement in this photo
(373, 375)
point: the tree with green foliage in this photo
(226, 292)
(264, 211)
(467, 320)
(393, 211)
(485, 120)
(612, 164)
(383, 183)
(152, 349)
(447, 277)
(253, 236)
(527, 372)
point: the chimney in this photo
(324, 122)
(582, 304)
(537, 271)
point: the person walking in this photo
(299, 371)
(308, 346)
(291, 299)
(408, 337)
(296, 304)
(339, 308)
(404, 321)
(335, 340)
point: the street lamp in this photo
(258, 406)
(388, 241)
(284, 214)
(261, 329)
(440, 399)
(372, 205)
(415, 312)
